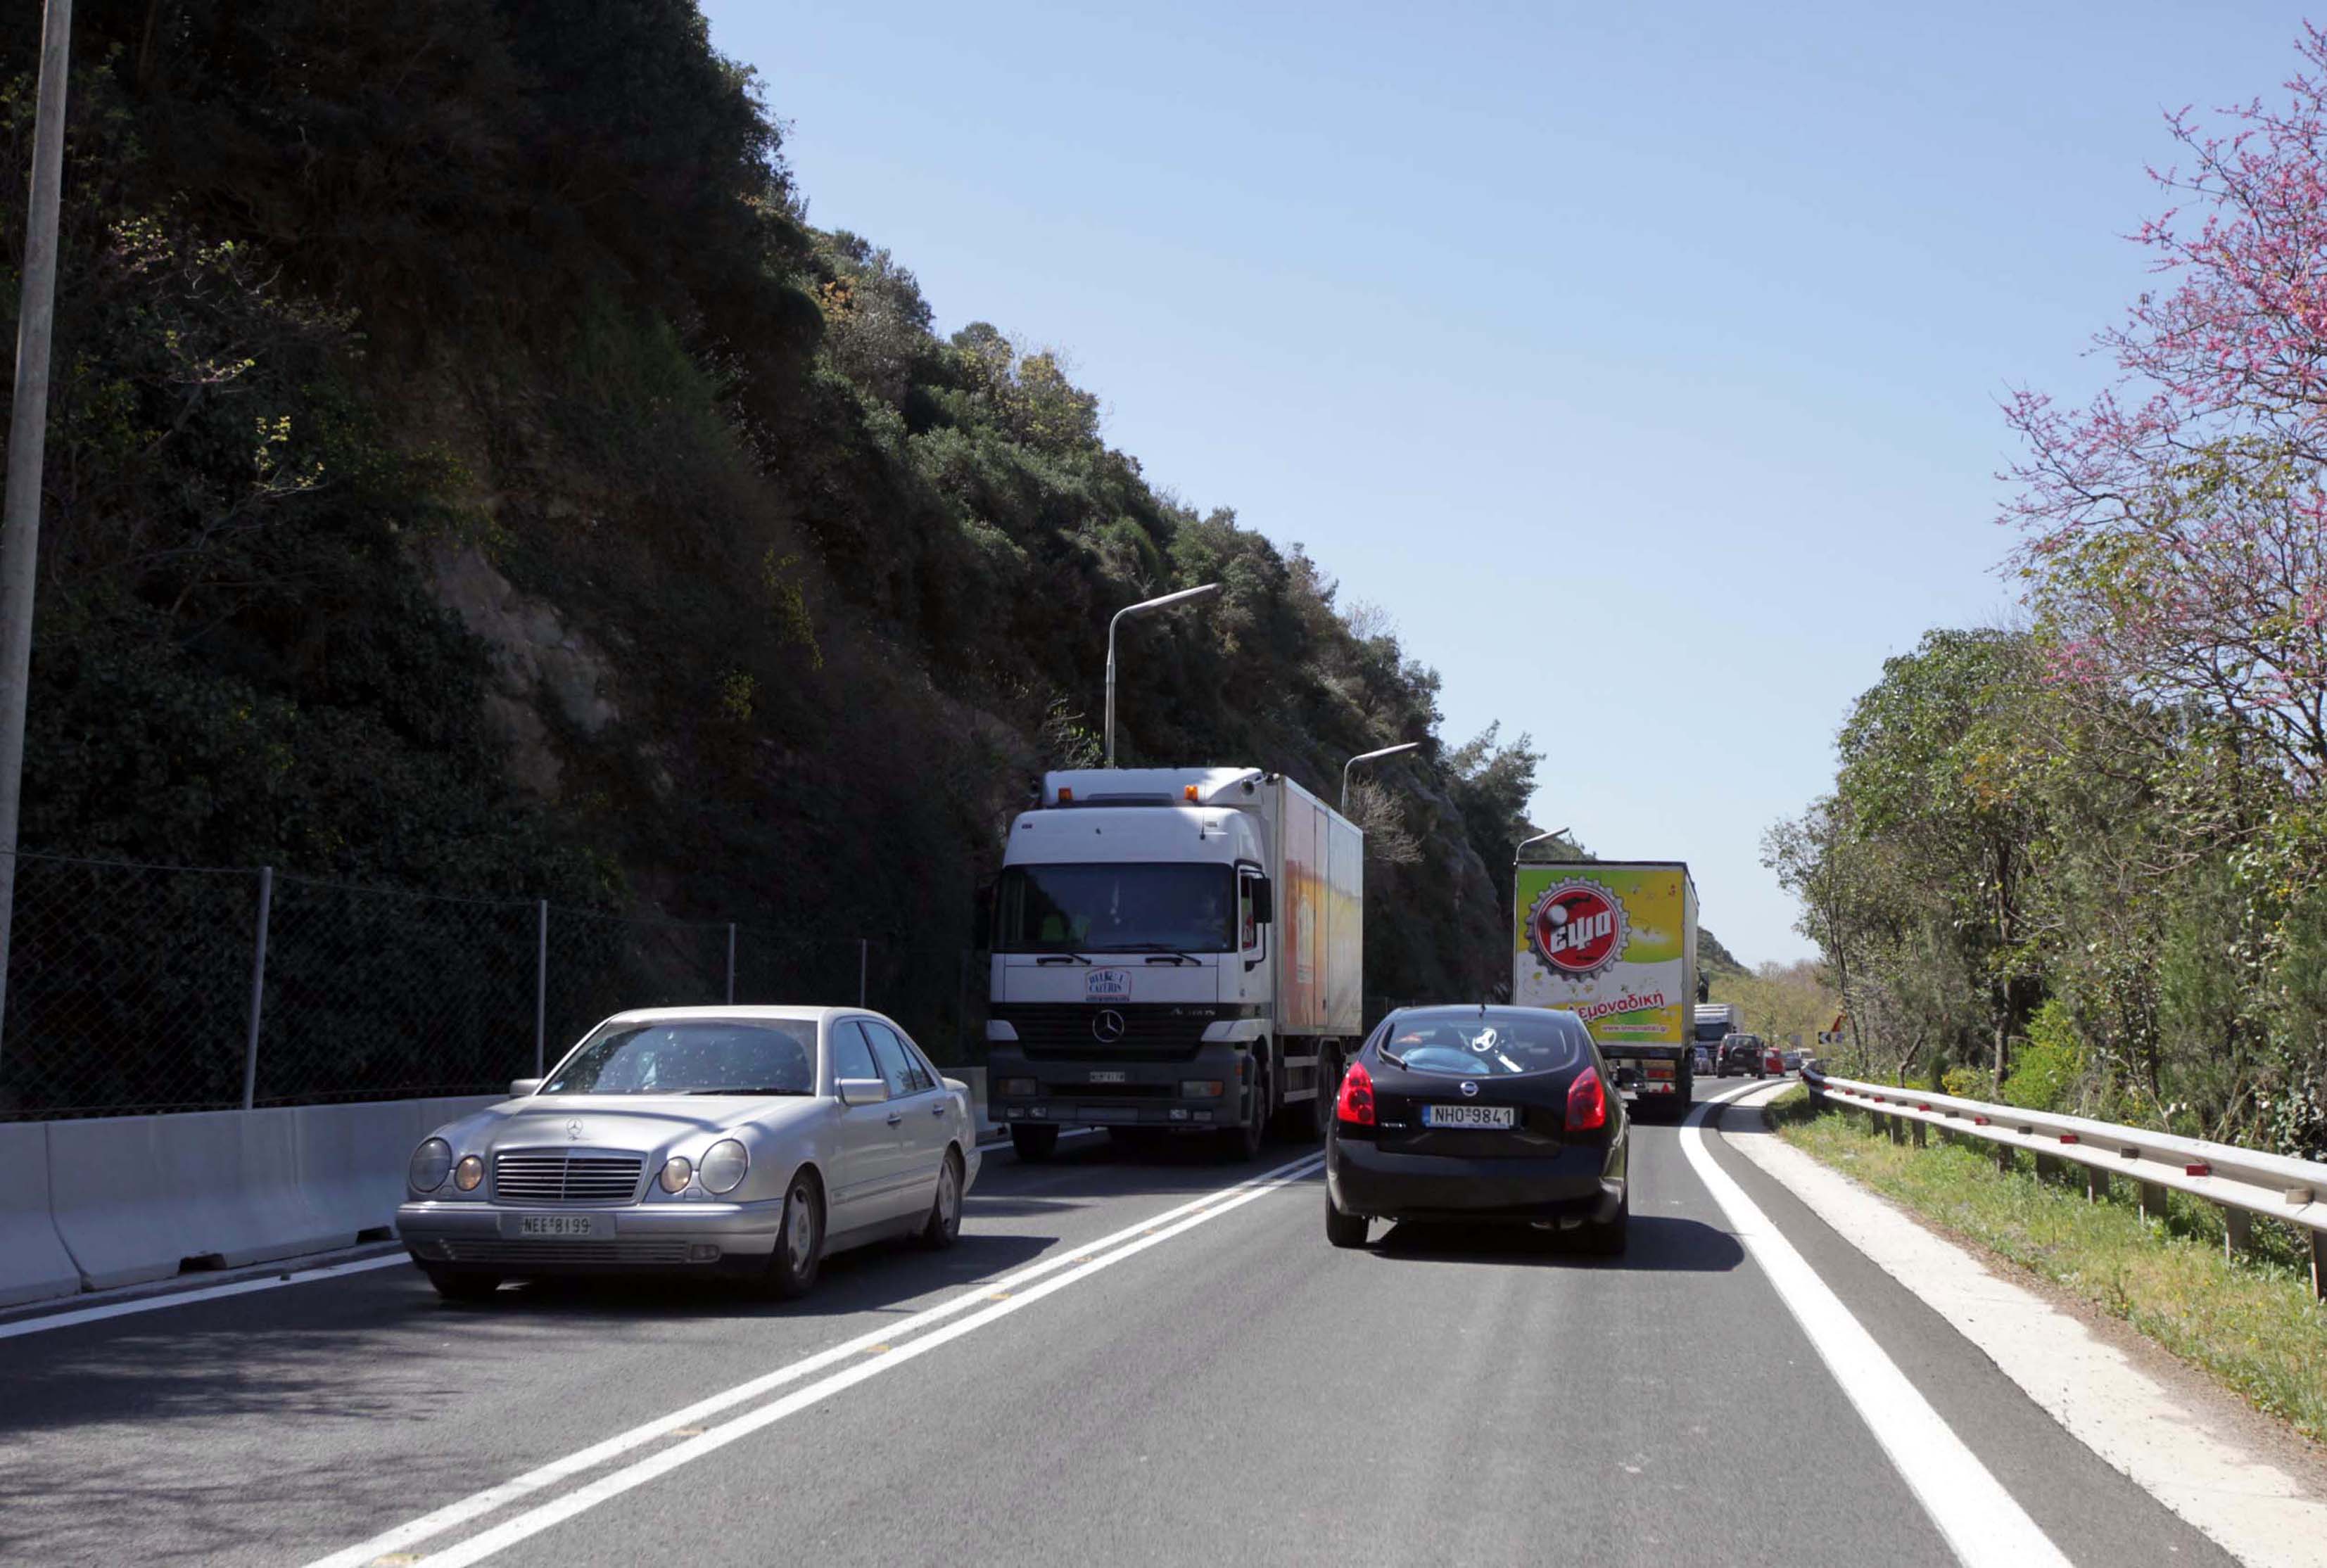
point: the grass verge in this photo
(2253, 1324)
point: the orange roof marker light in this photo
(1066, 796)
(1188, 793)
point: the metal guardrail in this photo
(2241, 1182)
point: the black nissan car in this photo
(1478, 1115)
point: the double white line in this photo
(858, 1359)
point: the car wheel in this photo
(463, 1287)
(1607, 1240)
(1034, 1144)
(943, 1227)
(792, 1267)
(1344, 1229)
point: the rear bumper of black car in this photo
(1580, 1182)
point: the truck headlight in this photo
(1019, 1088)
(1200, 1088)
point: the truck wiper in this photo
(1160, 951)
(1064, 958)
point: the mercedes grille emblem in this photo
(1107, 1026)
(574, 1129)
(1469, 1088)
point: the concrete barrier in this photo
(137, 1197)
(34, 1263)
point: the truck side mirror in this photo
(1263, 901)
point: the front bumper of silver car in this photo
(640, 1238)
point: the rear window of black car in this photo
(1466, 1043)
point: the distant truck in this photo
(1175, 949)
(1615, 943)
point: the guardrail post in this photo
(2238, 1234)
(541, 988)
(2004, 1159)
(2048, 1167)
(2153, 1200)
(257, 987)
(2097, 1186)
(1922, 1135)
(2319, 1264)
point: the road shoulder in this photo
(2193, 1448)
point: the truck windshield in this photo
(1712, 1031)
(1115, 908)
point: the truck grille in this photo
(567, 1176)
(1061, 1031)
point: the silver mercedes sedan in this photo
(740, 1141)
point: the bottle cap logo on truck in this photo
(1577, 928)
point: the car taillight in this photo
(1587, 1102)
(1356, 1102)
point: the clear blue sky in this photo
(1643, 361)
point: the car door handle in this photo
(938, 1109)
(896, 1117)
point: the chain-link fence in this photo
(141, 988)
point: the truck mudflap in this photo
(1662, 1080)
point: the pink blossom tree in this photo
(2174, 529)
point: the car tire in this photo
(799, 1253)
(1344, 1229)
(1607, 1239)
(463, 1287)
(942, 1228)
(1034, 1144)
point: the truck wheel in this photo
(1244, 1143)
(1034, 1144)
(1683, 1096)
(1344, 1229)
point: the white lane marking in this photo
(479, 1504)
(1980, 1520)
(67, 1320)
(532, 1522)
(2171, 1448)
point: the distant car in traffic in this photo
(738, 1140)
(1741, 1055)
(1705, 1066)
(1495, 1114)
(1773, 1062)
(1791, 1060)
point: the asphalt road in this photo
(1123, 1361)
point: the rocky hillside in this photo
(468, 470)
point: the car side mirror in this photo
(862, 1091)
(1263, 901)
(520, 1087)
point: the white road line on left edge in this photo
(607, 1487)
(1982, 1523)
(66, 1320)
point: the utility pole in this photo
(28, 429)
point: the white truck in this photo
(1175, 950)
(1716, 1022)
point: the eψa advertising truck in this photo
(1614, 942)
(1175, 949)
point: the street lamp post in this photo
(1182, 597)
(28, 427)
(1368, 756)
(1538, 838)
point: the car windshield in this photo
(767, 1056)
(1495, 1044)
(1115, 908)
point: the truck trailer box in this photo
(1614, 942)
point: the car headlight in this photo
(725, 1165)
(676, 1174)
(431, 1164)
(469, 1175)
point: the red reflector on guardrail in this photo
(2071, 1138)
(1979, 1121)
(1922, 1107)
(2197, 1167)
